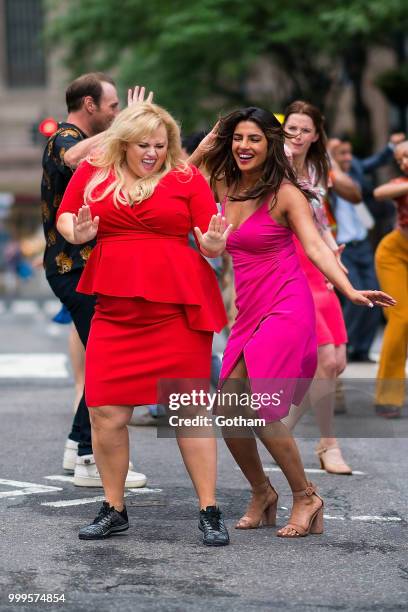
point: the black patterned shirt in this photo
(60, 256)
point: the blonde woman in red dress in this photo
(158, 301)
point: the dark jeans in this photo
(81, 308)
(362, 323)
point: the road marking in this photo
(30, 307)
(307, 470)
(91, 500)
(371, 519)
(25, 488)
(382, 519)
(24, 307)
(33, 365)
(60, 478)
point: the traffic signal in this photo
(48, 126)
(42, 129)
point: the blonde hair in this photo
(134, 124)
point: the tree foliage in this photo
(197, 56)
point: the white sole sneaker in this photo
(70, 455)
(134, 480)
(86, 475)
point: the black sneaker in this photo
(359, 358)
(107, 522)
(213, 527)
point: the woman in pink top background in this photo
(306, 145)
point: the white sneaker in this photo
(86, 474)
(70, 455)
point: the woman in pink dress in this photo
(273, 340)
(306, 146)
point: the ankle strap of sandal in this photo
(310, 490)
(320, 451)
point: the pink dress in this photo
(275, 327)
(330, 326)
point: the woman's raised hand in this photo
(213, 242)
(208, 141)
(372, 298)
(137, 94)
(85, 228)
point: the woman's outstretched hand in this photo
(372, 298)
(137, 94)
(213, 242)
(85, 228)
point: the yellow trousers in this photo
(391, 262)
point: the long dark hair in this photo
(221, 163)
(317, 154)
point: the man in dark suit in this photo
(353, 223)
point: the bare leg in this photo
(110, 442)
(200, 458)
(323, 398)
(278, 440)
(332, 361)
(321, 393)
(242, 443)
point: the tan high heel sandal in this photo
(260, 512)
(315, 525)
(332, 460)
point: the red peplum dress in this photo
(158, 301)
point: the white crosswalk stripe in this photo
(34, 365)
(20, 307)
(65, 503)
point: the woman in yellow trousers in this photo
(391, 260)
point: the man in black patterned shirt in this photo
(92, 104)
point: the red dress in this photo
(158, 301)
(330, 326)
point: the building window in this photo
(25, 59)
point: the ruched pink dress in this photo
(275, 327)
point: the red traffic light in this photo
(48, 126)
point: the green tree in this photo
(197, 56)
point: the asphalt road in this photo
(359, 563)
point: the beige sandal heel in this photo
(260, 512)
(315, 524)
(269, 515)
(331, 460)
